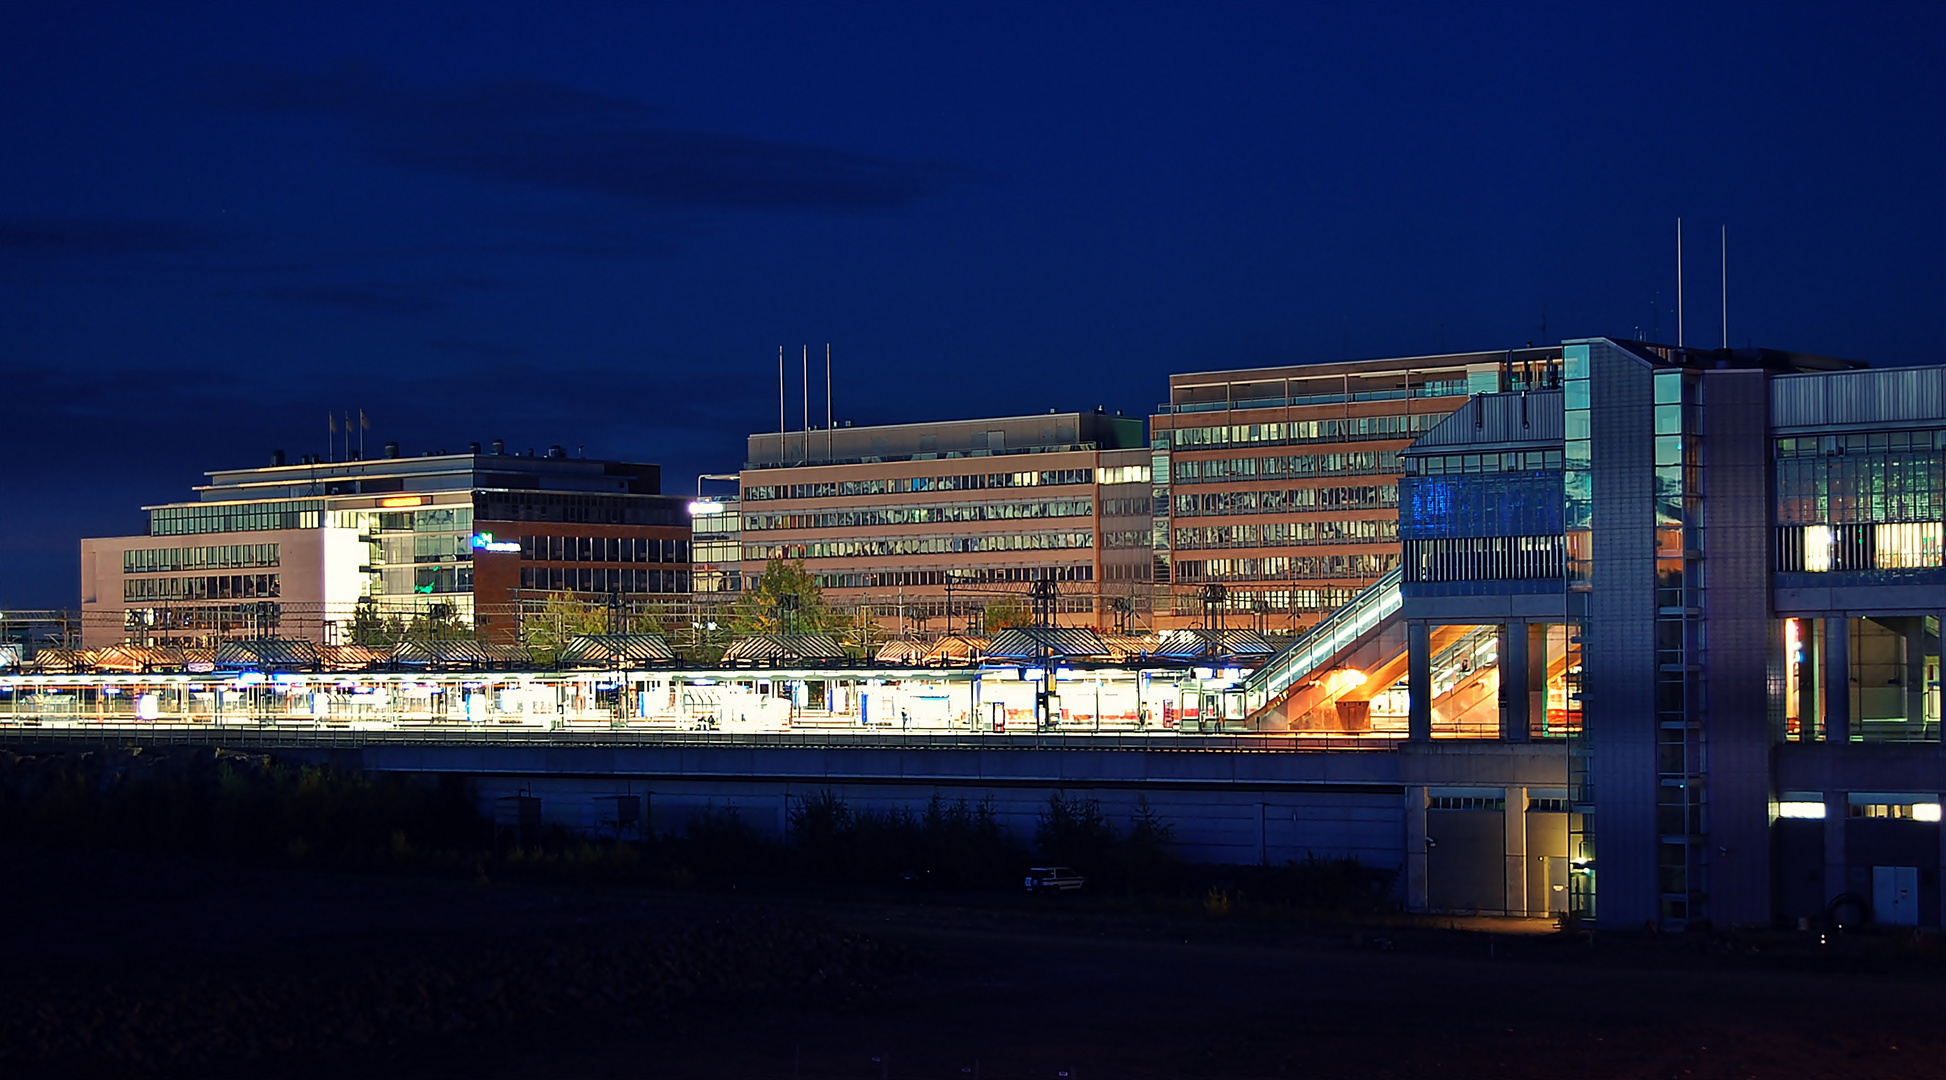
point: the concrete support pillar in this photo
(1514, 668)
(1516, 832)
(1418, 681)
(1837, 679)
(1416, 895)
(1836, 880)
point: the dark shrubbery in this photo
(228, 804)
(948, 845)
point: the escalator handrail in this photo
(1329, 637)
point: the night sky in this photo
(594, 226)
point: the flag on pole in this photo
(331, 421)
(363, 424)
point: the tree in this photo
(368, 628)
(784, 599)
(439, 622)
(562, 618)
(1005, 613)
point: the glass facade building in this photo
(307, 549)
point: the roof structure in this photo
(607, 650)
(775, 648)
(1213, 645)
(1053, 642)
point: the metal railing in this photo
(285, 736)
(1327, 639)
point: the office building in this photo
(304, 550)
(1280, 485)
(1713, 579)
(930, 523)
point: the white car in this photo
(1053, 879)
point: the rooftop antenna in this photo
(1726, 288)
(827, 401)
(1679, 323)
(780, 405)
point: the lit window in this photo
(1909, 545)
(1817, 548)
(1807, 811)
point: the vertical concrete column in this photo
(1418, 681)
(1415, 849)
(1516, 831)
(1837, 679)
(1835, 879)
(1513, 681)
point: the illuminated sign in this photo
(403, 500)
(485, 542)
(705, 508)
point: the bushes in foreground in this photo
(250, 807)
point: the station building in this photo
(301, 550)
(919, 522)
(1280, 485)
(1713, 579)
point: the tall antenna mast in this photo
(780, 404)
(1726, 288)
(805, 446)
(1679, 325)
(827, 401)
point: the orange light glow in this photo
(403, 500)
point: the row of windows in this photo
(987, 575)
(1320, 599)
(911, 484)
(1486, 558)
(611, 549)
(1819, 549)
(1126, 538)
(716, 552)
(216, 557)
(1345, 429)
(1860, 443)
(1865, 487)
(215, 587)
(1288, 533)
(1288, 501)
(1122, 474)
(440, 580)
(581, 509)
(596, 579)
(260, 616)
(872, 516)
(920, 545)
(1143, 506)
(1466, 802)
(436, 519)
(234, 517)
(1505, 461)
(1357, 463)
(1282, 567)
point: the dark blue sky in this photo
(594, 226)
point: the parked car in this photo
(1053, 879)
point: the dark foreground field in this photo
(124, 965)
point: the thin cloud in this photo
(381, 298)
(543, 135)
(55, 236)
